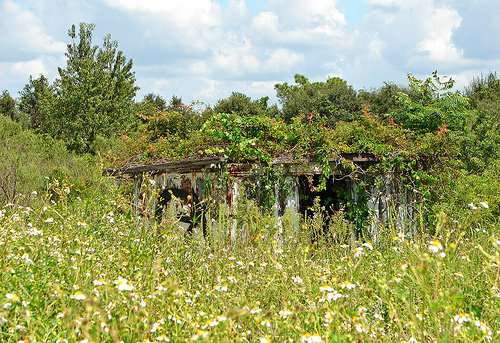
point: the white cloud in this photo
(208, 48)
(186, 14)
(27, 68)
(24, 34)
(282, 60)
(438, 27)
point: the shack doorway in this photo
(333, 197)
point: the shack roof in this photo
(287, 164)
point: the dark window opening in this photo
(333, 197)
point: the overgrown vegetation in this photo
(76, 264)
(76, 269)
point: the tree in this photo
(8, 105)
(430, 105)
(333, 99)
(237, 103)
(31, 98)
(484, 142)
(154, 101)
(382, 100)
(93, 94)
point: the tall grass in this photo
(84, 269)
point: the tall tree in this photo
(244, 106)
(333, 99)
(155, 101)
(8, 105)
(430, 105)
(382, 100)
(31, 98)
(93, 94)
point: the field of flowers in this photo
(85, 270)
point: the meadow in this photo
(82, 268)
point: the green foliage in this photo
(8, 108)
(28, 158)
(87, 269)
(383, 100)
(155, 101)
(93, 94)
(8, 105)
(179, 121)
(243, 105)
(31, 100)
(432, 106)
(481, 146)
(333, 99)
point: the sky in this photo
(205, 49)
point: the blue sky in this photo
(205, 49)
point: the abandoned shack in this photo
(284, 184)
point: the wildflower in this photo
(265, 340)
(484, 204)
(358, 252)
(461, 318)
(78, 296)
(311, 338)
(360, 327)
(482, 326)
(378, 316)
(200, 333)
(12, 297)
(212, 323)
(285, 313)
(368, 245)
(326, 288)
(328, 317)
(333, 296)
(471, 205)
(49, 220)
(420, 316)
(221, 288)
(99, 282)
(163, 337)
(459, 274)
(348, 285)
(362, 311)
(266, 323)
(123, 284)
(297, 279)
(435, 246)
(155, 326)
(255, 310)
(401, 236)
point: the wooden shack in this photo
(293, 187)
